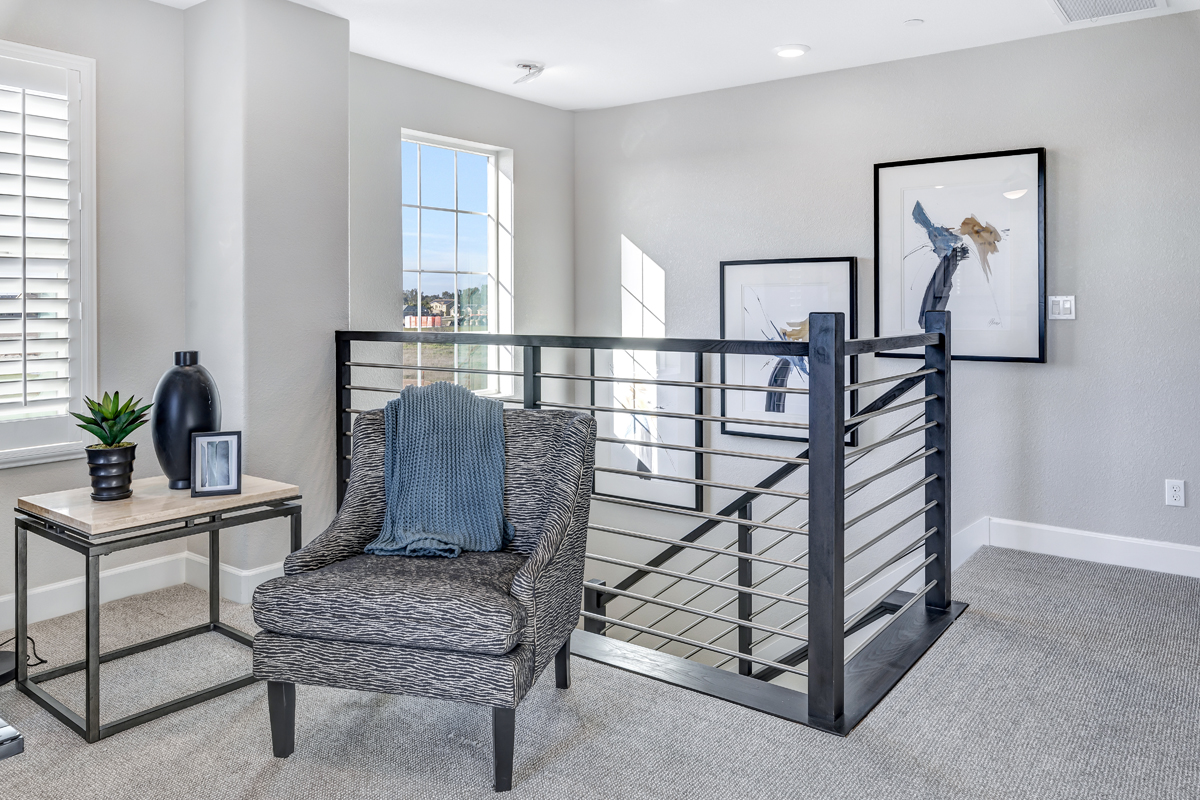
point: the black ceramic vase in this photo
(185, 402)
(111, 469)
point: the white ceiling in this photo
(601, 53)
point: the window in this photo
(47, 330)
(457, 255)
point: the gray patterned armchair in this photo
(479, 628)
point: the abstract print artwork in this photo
(964, 235)
(770, 301)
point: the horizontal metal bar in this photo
(858, 451)
(901, 464)
(684, 384)
(620, 501)
(890, 409)
(677, 415)
(728, 346)
(55, 706)
(429, 368)
(904, 553)
(693, 546)
(850, 622)
(709, 614)
(133, 720)
(893, 618)
(898, 496)
(694, 579)
(112, 655)
(708, 450)
(890, 379)
(731, 545)
(650, 476)
(855, 347)
(692, 642)
(864, 547)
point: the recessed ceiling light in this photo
(1016, 194)
(791, 50)
(912, 23)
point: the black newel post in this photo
(938, 357)
(745, 601)
(343, 418)
(827, 519)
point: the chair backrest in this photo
(531, 437)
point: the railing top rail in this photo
(728, 346)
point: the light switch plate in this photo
(1062, 306)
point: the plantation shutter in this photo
(40, 314)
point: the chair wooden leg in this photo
(281, 699)
(562, 666)
(504, 724)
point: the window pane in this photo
(409, 256)
(409, 174)
(410, 297)
(473, 303)
(437, 176)
(472, 182)
(437, 240)
(473, 356)
(472, 243)
(437, 300)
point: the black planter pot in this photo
(111, 469)
(185, 402)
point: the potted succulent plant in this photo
(110, 463)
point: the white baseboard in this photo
(237, 585)
(1101, 548)
(65, 597)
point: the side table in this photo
(153, 514)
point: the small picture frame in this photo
(216, 463)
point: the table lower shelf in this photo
(75, 722)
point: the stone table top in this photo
(152, 503)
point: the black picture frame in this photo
(198, 439)
(851, 332)
(1040, 152)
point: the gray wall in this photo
(385, 98)
(785, 169)
(267, 240)
(138, 47)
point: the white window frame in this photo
(68, 441)
(501, 267)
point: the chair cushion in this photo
(460, 604)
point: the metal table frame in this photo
(92, 548)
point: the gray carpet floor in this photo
(1064, 680)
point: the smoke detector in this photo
(1072, 11)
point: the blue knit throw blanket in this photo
(443, 474)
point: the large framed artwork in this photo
(770, 300)
(639, 452)
(965, 234)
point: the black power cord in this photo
(8, 661)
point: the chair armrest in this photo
(360, 518)
(550, 583)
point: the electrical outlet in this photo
(1174, 493)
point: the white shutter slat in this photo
(35, 250)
